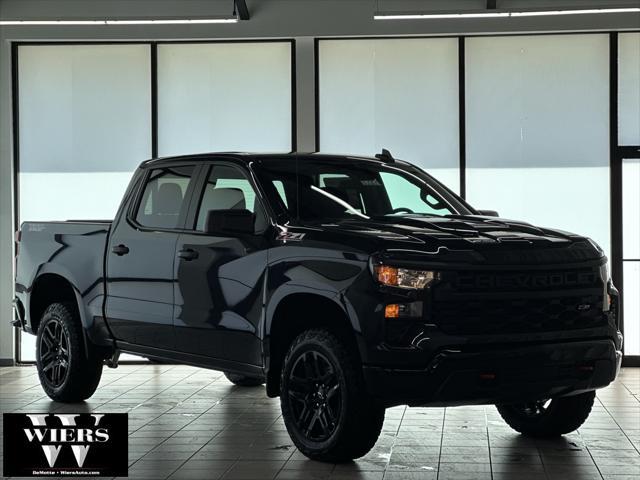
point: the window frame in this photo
(206, 168)
(135, 205)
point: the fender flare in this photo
(54, 269)
(287, 290)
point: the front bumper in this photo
(499, 374)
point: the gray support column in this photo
(305, 95)
(6, 206)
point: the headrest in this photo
(168, 199)
(223, 199)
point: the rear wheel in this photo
(67, 373)
(243, 380)
(549, 418)
(325, 408)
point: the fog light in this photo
(403, 310)
(392, 311)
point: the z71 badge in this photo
(290, 236)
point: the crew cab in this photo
(345, 284)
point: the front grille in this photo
(577, 252)
(476, 303)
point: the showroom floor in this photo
(188, 423)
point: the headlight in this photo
(605, 275)
(404, 277)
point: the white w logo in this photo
(60, 436)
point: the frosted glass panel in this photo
(85, 125)
(537, 130)
(399, 94)
(629, 88)
(631, 301)
(631, 208)
(224, 96)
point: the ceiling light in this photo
(498, 14)
(171, 22)
(439, 15)
(191, 21)
(534, 13)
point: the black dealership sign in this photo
(65, 444)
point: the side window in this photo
(228, 188)
(163, 198)
(279, 186)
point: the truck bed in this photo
(74, 250)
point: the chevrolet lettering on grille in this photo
(526, 280)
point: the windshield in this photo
(315, 190)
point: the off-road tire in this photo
(83, 367)
(562, 415)
(359, 418)
(243, 380)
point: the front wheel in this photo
(325, 408)
(548, 418)
(68, 372)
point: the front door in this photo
(220, 279)
(141, 256)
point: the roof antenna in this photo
(385, 156)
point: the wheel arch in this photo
(295, 313)
(51, 287)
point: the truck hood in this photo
(489, 238)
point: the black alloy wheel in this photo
(314, 390)
(69, 365)
(535, 409)
(549, 418)
(54, 353)
(325, 405)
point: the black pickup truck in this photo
(346, 284)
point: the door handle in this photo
(120, 250)
(188, 254)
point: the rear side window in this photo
(163, 200)
(228, 188)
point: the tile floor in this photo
(188, 423)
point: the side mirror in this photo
(488, 213)
(236, 221)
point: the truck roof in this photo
(252, 157)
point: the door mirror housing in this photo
(488, 213)
(235, 221)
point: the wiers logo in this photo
(65, 444)
(61, 436)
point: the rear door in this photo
(220, 279)
(141, 256)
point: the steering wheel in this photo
(402, 210)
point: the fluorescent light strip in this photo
(194, 21)
(171, 22)
(503, 14)
(534, 13)
(440, 15)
